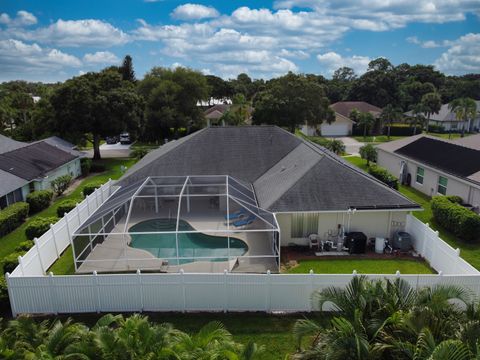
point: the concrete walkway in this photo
(112, 151)
(352, 146)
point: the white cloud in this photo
(332, 61)
(18, 59)
(462, 57)
(23, 18)
(428, 44)
(74, 33)
(194, 12)
(101, 57)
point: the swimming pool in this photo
(190, 245)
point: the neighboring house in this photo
(307, 188)
(343, 125)
(449, 122)
(434, 166)
(28, 167)
(214, 113)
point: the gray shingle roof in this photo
(10, 182)
(288, 174)
(7, 144)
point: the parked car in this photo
(111, 139)
(125, 138)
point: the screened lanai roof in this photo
(240, 200)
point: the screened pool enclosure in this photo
(167, 223)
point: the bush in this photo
(24, 246)
(438, 129)
(12, 217)
(399, 130)
(384, 176)
(4, 299)
(462, 222)
(60, 184)
(65, 207)
(97, 167)
(39, 200)
(10, 262)
(369, 153)
(455, 199)
(85, 165)
(139, 152)
(90, 188)
(38, 227)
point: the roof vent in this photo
(283, 168)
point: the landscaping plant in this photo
(39, 226)
(90, 188)
(384, 176)
(39, 200)
(12, 217)
(369, 153)
(60, 184)
(65, 207)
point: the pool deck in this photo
(115, 255)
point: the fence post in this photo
(140, 289)
(53, 293)
(54, 241)
(11, 296)
(184, 295)
(97, 291)
(425, 238)
(20, 263)
(78, 215)
(268, 297)
(225, 291)
(35, 241)
(88, 204)
(312, 278)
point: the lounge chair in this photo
(236, 215)
(244, 222)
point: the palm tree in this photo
(432, 102)
(418, 115)
(389, 115)
(366, 120)
(336, 146)
(465, 109)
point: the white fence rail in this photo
(188, 292)
(51, 245)
(441, 256)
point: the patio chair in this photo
(244, 222)
(236, 215)
(314, 241)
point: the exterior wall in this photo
(392, 163)
(371, 223)
(308, 130)
(334, 129)
(72, 168)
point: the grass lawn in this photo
(363, 266)
(448, 136)
(10, 241)
(469, 251)
(377, 139)
(144, 145)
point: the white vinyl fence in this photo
(441, 256)
(31, 291)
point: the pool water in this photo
(190, 245)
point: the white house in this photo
(26, 167)
(342, 125)
(434, 166)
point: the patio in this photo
(165, 224)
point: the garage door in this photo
(335, 129)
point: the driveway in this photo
(112, 151)
(352, 146)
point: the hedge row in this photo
(384, 176)
(90, 188)
(39, 200)
(397, 130)
(37, 227)
(12, 217)
(461, 221)
(65, 207)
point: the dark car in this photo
(111, 139)
(125, 138)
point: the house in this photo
(214, 113)
(342, 125)
(26, 167)
(447, 120)
(434, 166)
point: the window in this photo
(420, 174)
(442, 185)
(304, 225)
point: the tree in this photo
(100, 104)
(432, 103)
(369, 153)
(290, 101)
(171, 97)
(336, 146)
(389, 115)
(239, 111)
(218, 88)
(364, 119)
(465, 109)
(418, 115)
(126, 69)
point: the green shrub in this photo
(402, 130)
(369, 153)
(24, 246)
(85, 165)
(139, 153)
(39, 200)
(459, 220)
(10, 262)
(12, 217)
(97, 167)
(60, 184)
(455, 199)
(439, 129)
(90, 188)
(4, 299)
(384, 176)
(39, 226)
(65, 207)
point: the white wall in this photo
(392, 163)
(71, 168)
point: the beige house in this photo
(343, 125)
(434, 166)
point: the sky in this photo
(52, 40)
